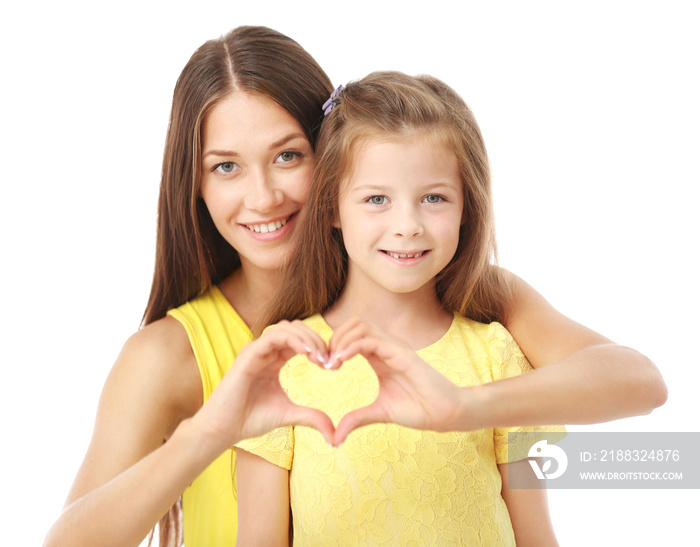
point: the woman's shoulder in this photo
(159, 355)
(165, 337)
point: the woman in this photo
(236, 171)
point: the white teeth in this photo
(266, 228)
(405, 255)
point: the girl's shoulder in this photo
(484, 332)
(485, 342)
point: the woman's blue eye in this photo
(432, 198)
(226, 167)
(377, 200)
(288, 156)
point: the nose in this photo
(407, 222)
(262, 193)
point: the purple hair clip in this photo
(331, 103)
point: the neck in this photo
(250, 292)
(416, 318)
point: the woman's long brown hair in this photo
(394, 106)
(191, 255)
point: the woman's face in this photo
(256, 171)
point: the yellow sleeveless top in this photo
(217, 334)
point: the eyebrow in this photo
(368, 187)
(284, 140)
(438, 185)
(377, 187)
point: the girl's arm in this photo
(528, 509)
(130, 477)
(581, 377)
(263, 501)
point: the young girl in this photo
(399, 237)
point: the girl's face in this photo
(400, 212)
(256, 171)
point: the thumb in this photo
(312, 417)
(357, 418)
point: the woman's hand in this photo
(411, 392)
(250, 401)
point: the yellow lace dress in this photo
(391, 485)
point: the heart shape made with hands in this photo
(342, 386)
(392, 384)
(313, 374)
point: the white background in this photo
(590, 114)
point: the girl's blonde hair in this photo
(394, 106)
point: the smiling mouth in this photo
(269, 226)
(404, 255)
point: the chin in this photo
(271, 264)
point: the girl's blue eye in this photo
(377, 200)
(433, 198)
(226, 167)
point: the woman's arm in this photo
(528, 509)
(581, 377)
(595, 383)
(130, 477)
(263, 501)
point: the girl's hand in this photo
(249, 401)
(411, 392)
